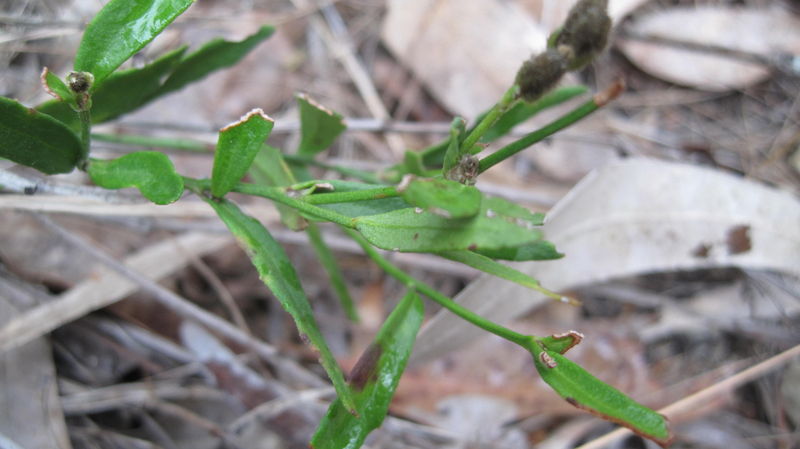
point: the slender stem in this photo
(192, 145)
(355, 195)
(598, 101)
(277, 194)
(444, 301)
(328, 262)
(86, 130)
(508, 100)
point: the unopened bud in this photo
(585, 31)
(540, 74)
(80, 82)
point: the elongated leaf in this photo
(499, 224)
(56, 87)
(586, 392)
(277, 272)
(120, 29)
(538, 250)
(149, 171)
(37, 140)
(523, 111)
(363, 208)
(488, 265)
(448, 199)
(120, 93)
(373, 380)
(319, 126)
(454, 151)
(213, 55)
(269, 168)
(237, 146)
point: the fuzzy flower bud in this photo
(585, 31)
(540, 74)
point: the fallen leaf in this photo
(766, 32)
(632, 217)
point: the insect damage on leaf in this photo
(365, 370)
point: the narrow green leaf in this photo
(237, 146)
(149, 171)
(328, 261)
(561, 343)
(454, 152)
(374, 380)
(488, 265)
(363, 208)
(37, 140)
(588, 393)
(277, 272)
(213, 55)
(120, 93)
(56, 87)
(448, 199)
(538, 250)
(499, 224)
(120, 29)
(270, 169)
(523, 111)
(319, 126)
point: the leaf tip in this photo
(43, 79)
(307, 98)
(257, 112)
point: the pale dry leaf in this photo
(466, 52)
(632, 217)
(766, 32)
(551, 13)
(30, 413)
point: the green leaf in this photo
(488, 265)
(270, 169)
(149, 171)
(120, 29)
(319, 126)
(31, 138)
(588, 393)
(237, 146)
(120, 93)
(499, 224)
(454, 151)
(214, 55)
(448, 199)
(523, 111)
(561, 343)
(373, 380)
(363, 208)
(538, 250)
(56, 87)
(277, 272)
(328, 261)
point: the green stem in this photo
(598, 101)
(328, 262)
(86, 131)
(508, 100)
(277, 194)
(348, 197)
(430, 292)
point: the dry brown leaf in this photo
(633, 217)
(765, 32)
(466, 52)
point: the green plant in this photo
(425, 204)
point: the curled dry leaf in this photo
(633, 217)
(765, 32)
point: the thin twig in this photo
(183, 307)
(693, 402)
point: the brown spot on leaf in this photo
(416, 235)
(738, 239)
(702, 250)
(472, 247)
(366, 369)
(575, 336)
